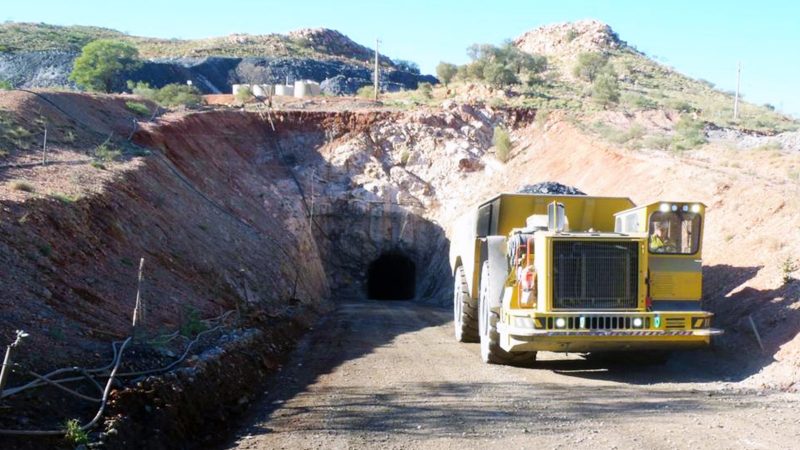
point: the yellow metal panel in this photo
(582, 212)
(676, 285)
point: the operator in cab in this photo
(658, 238)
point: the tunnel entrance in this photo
(391, 277)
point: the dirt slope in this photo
(72, 246)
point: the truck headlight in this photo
(637, 322)
(561, 323)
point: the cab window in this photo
(674, 232)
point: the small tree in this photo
(100, 61)
(499, 75)
(446, 72)
(502, 143)
(407, 66)
(589, 65)
(605, 89)
(244, 94)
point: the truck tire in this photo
(465, 309)
(491, 352)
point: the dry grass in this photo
(21, 185)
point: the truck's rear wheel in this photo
(491, 352)
(465, 309)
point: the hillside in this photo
(41, 56)
(319, 43)
(645, 87)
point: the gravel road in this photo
(389, 375)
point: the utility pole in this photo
(736, 99)
(377, 71)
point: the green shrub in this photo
(689, 134)
(502, 143)
(191, 323)
(462, 73)
(502, 66)
(106, 152)
(170, 95)
(632, 136)
(638, 101)
(499, 75)
(100, 61)
(589, 65)
(6, 85)
(303, 42)
(425, 90)
(605, 88)
(366, 92)
(244, 94)
(658, 142)
(788, 266)
(65, 198)
(475, 69)
(404, 157)
(446, 71)
(681, 106)
(138, 108)
(74, 434)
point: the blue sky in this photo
(701, 39)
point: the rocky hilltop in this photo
(39, 55)
(570, 39)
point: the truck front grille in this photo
(595, 275)
(597, 323)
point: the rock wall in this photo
(211, 75)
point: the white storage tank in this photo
(237, 87)
(301, 89)
(262, 90)
(284, 89)
(306, 88)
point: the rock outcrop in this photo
(569, 39)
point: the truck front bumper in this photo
(586, 340)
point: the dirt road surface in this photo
(389, 375)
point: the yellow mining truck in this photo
(573, 273)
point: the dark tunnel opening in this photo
(391, 277)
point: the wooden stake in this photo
(44, 147)
(755, 331)
(139, 309)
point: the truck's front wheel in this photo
(465, 309)
(491, 352)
